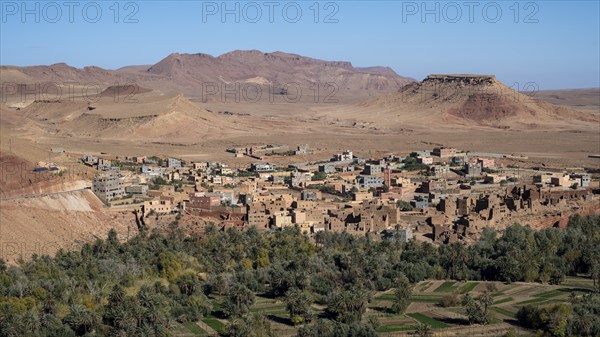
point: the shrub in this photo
(491, 287)
(510, 333)
(450, 300)
(404, 205)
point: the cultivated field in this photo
(425, 308)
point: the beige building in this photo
(494, 178)
(282, 220)
(257, 216)
(561, 180)
(542, 178)
(200, 166)
(425, 160)
(360, 196)
(158, 206)
(444, 152)
(298, 216)
(486, 162)
(107, 187)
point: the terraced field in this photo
(424, 308)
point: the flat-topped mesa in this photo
(471, 79)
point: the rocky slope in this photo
(466, 100)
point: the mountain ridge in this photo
(187, 73)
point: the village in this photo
(442, 195)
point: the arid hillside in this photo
(164, 109)
(580, 99)
(277, 71)
(43, 211)
(471, 101)
(198, 75)
(47, 222)
(147, 116)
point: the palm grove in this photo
(141, 287)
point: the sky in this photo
(544, 44)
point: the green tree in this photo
(454, 259)
(298, 305)
(402, 295)
(319, 176)
(424, 330)
(238, 327)
(80, 319)
(348, 306)
(595, 275)
(188, 283)
(373, 321)
(238, 300)
(478, 308)
(404, 205)
(251, 325)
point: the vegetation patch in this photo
(553, 293)
(445, 287)
(468, 287)
(194, 328)
(396, 328)
(426, 298)
(215, 324)
(533, 301)
(432, 322)
(230, 280)
(504, 300)
(423, 286)
(504, 312)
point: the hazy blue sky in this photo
(555, 44)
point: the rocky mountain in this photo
(191, 73)
(277, 68)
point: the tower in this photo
(387, 177)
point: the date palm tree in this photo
(424, 330)
(402, 295)
(79, 319)
(297, 303)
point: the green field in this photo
(545, 296)
(396, 328)
(504, 312)
(419, 297)
(425, 298)
(423, 286)
(425, 304)
(424, 307)
(194, 328)
(214, 323)
(468, 287)
(445, 287)
(533, 301)
(269, 309)
(435, 324)
(504, 300)
(552, 293)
